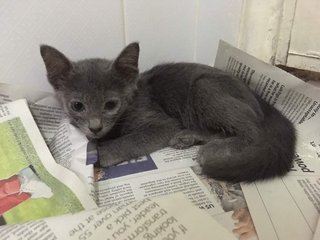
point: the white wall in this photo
(168, 30)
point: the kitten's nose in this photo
(95, 130)
(95, 125)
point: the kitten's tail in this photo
(269, 154)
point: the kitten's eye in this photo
(110, 105)
(77, 106)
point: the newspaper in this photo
(297, 100)
(317, 232)
(32, 184)
(170, 171)
(289, 207)
(150, 219)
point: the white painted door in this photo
(168, 30)
(304, 47)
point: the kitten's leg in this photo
(187, 138)
(136, 144)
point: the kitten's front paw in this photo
(107, 157)
(201, 158)
(183, 139)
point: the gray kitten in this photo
(177, 105)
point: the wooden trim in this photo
(305, 75)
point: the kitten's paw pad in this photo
(182, 140)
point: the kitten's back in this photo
(259, 142)
(180, 88)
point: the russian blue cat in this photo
(243, 138)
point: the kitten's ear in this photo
(126, 64)
(58, 66)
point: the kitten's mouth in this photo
(97, 135)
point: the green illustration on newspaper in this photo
(27, 190)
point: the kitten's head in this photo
(94, 92)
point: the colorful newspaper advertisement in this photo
(32, 184)
(66, 143)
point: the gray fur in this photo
(177, 105)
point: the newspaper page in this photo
(44, 107)
(297, 100)
(171, 171)
(32, 185)
(288, 207)
(66, 143)
(295, 196)
(171, 217)
(316, 235)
